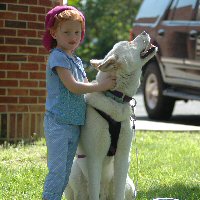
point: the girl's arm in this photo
(83, 87)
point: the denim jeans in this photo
(62, 141)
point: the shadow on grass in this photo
(177, 191)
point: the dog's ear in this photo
(96, 63)
(108, 64)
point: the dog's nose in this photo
(144, 33)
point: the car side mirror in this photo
(161, 32)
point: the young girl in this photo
(65, 105)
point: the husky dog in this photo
(101, 169)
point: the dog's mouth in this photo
(146, 52)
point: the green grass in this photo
(169, 166)
(22, 171)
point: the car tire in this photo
(157, 105)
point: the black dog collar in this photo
(118, 96)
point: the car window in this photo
(183, 10)
(152, 10)
(185, 3)
(198, 13)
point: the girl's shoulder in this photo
(57, 52)
(58, 57)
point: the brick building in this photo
(22, 68)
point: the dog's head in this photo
(145, 50)
(134, 54)
(126, 60)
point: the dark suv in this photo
(174, 73)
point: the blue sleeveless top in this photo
(66, 106)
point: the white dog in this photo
(77, 188)
(102, 173)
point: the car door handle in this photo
(161, 32)
(193, 34)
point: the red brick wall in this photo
(22, 66)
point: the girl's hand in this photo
(107, 83)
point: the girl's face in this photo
(67, 35)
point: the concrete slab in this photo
(144, 125)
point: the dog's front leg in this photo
(121, 163)
(94, 176)
(95, 141)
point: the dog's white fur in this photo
(78, 183)
(98, 176)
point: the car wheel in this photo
(158, 107)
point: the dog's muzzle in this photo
(146, 52)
